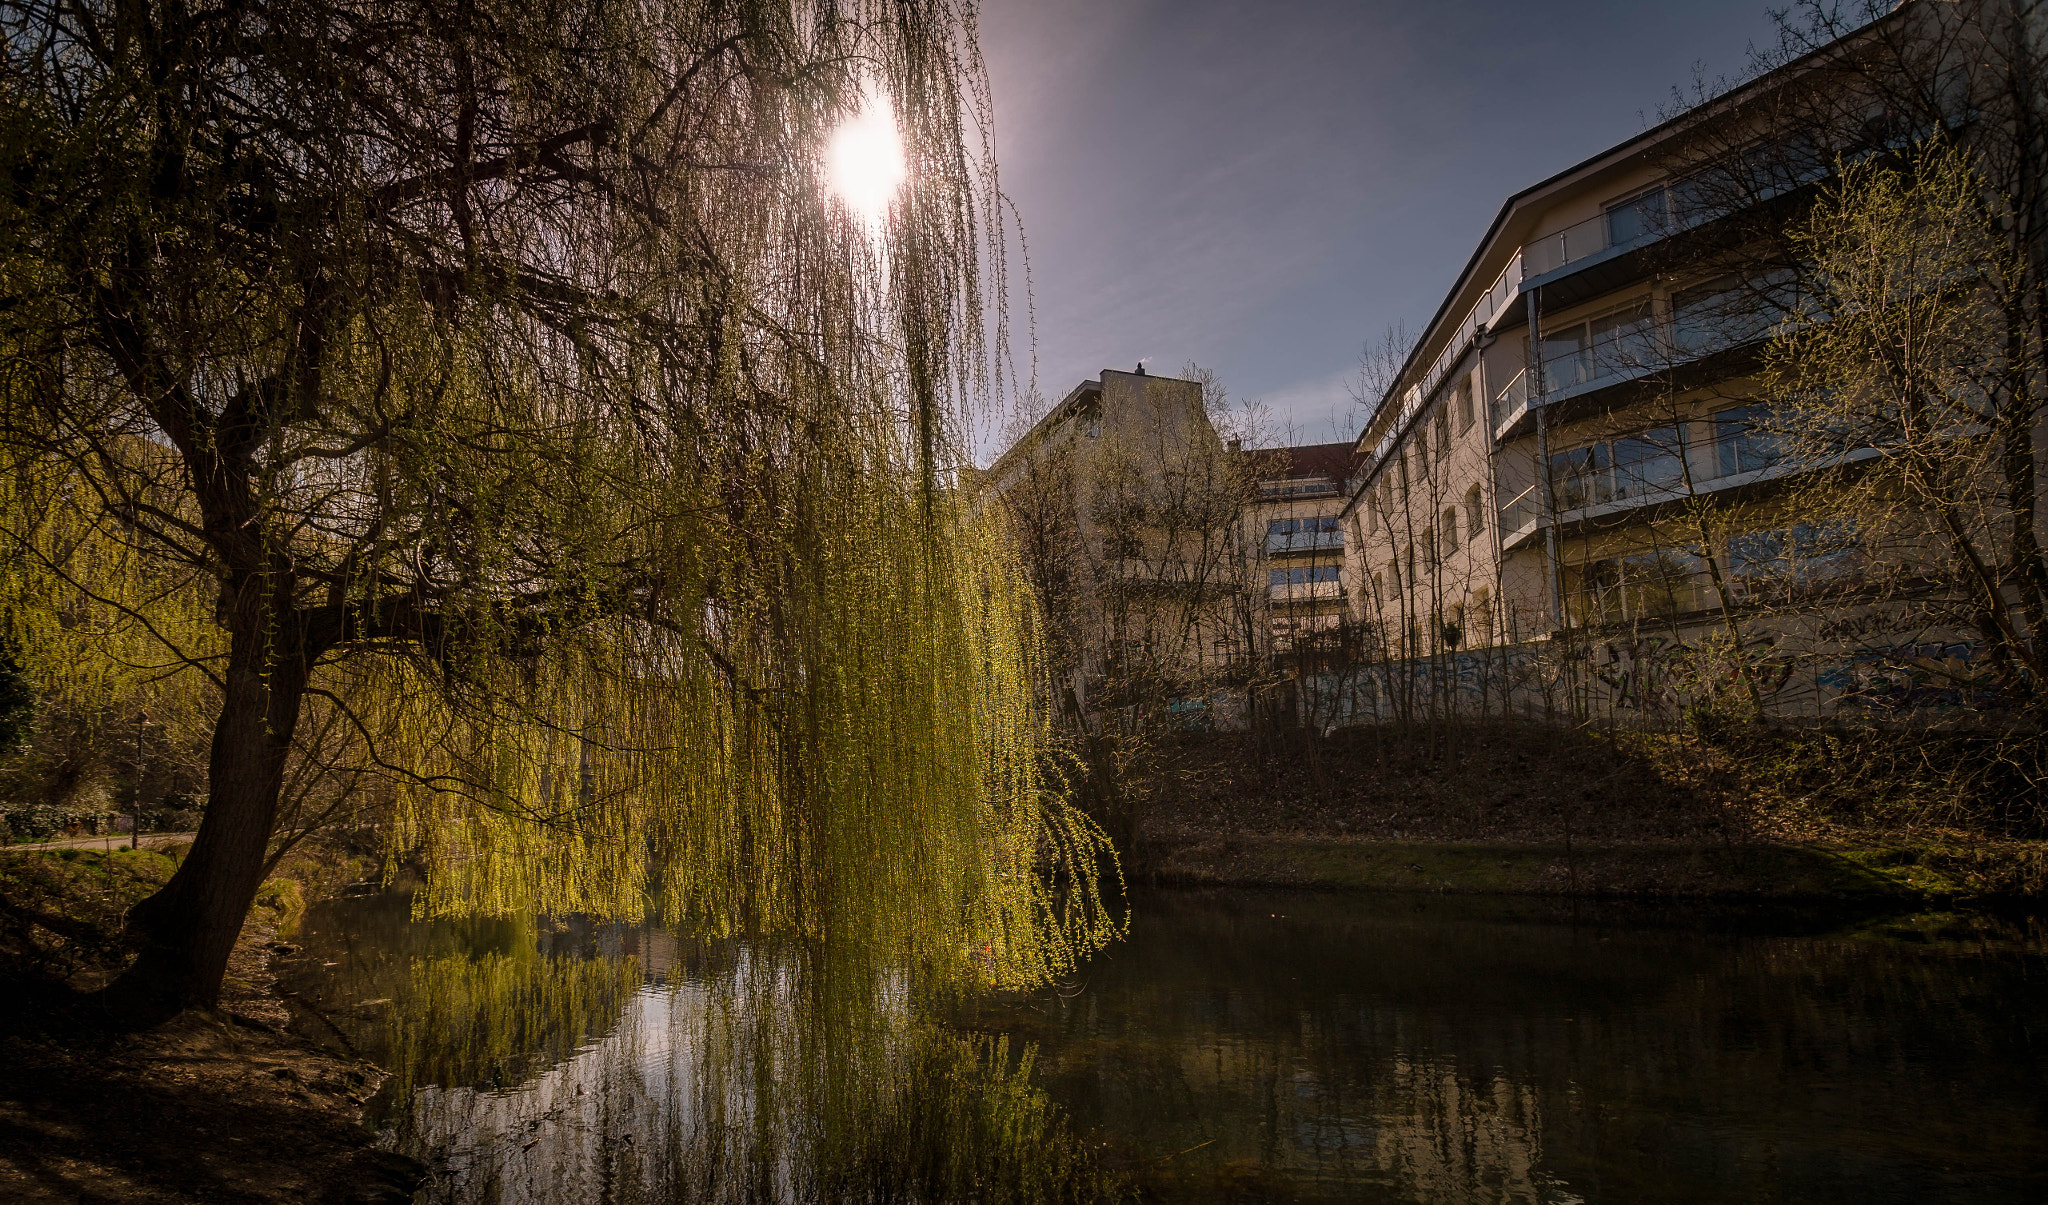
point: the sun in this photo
(865, 160)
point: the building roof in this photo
(1334, 461)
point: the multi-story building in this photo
(1295, 537)
(1127, 505)
(1576, 444)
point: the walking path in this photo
(110, 841)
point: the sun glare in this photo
(866, 160)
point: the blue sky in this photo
(1264, 187)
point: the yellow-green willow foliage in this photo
(90, 618)
(524, 392)
(874, 786)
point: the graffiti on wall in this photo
(1653, 678)
(1926, 676)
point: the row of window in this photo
(1288, 527)
(1782, 562)
(1721, 313)
(1307, 575)
(1475, 516)
(1648, 462)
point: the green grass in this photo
(1753, 871)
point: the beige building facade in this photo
(1127, 505)
(1576, 452)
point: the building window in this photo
(1795, 559)
(1651, 462)
(1729, 310)
(1581, 477)
(1462, 403)
(1703, 316)
(1640, 216)
(1620, 343)
(1475, 513)
(1443, 432)
(1648, 585)
(1742, 442)
(1635, 466)
(1448, 524)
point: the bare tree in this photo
(1911, 382)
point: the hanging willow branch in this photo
(505, 375)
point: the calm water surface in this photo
(1248, 1046)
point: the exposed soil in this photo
(1523, 808)
(206, 1108)
(1502, 783)
(221, 1106)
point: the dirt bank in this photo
(219, 1106)
(204, 1109)
(1536, 810)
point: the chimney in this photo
(1236, 445)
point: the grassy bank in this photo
(1785, 872)
(1516, 808)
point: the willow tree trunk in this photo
(188, 929)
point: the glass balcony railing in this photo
(1305, 591)
(1636, 222)
(1305, 541)
(1297, 489)
(1510, 403)
(1520, 512)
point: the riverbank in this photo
(1541, 811)
(213, 1106)
(2009, 871)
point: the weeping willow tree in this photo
(507, 377)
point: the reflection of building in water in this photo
(1456, 1138)
(1424, 1129)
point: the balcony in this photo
(1605, 235)
(1509, 406)
(1519, 517)
(1306, 592)
(1314, 488)
(1304, 541)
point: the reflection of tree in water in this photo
(482, 1021)
(708, 1073)
(1343, 1048)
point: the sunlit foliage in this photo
(510, 380)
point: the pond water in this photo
(1239, 1046)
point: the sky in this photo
(1264, 187)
